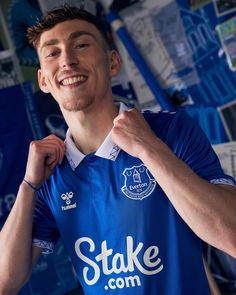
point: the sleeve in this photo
(191, 145)
(45, 232)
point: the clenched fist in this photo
(43, 156)
(132, 133)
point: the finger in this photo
(51, 158)
(133, 110)
(120, 116)
(52, 165)
(61, 152)
(126, 115)
(56, 142)
(121, 121)
(51, 137)
(61, 149)
(53, 155)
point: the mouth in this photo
(75, 80)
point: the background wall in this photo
(189, 47)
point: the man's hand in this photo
(132, 133)
(43, 156)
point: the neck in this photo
(89, 129)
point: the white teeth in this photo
(73, 80)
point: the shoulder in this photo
(165, 116)
(163, 121)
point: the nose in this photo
(68, 59)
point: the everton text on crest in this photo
(138, 183)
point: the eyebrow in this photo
(72, 36)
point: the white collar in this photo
(107, 150)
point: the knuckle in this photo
(52, 136)
(125, 114)
(34, 144)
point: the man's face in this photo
(76, 67)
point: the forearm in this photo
(207, 208)
(17, 254)
(16, 242)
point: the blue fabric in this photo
(223, 268)
(117, 208)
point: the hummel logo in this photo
(67, 198)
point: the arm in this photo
(207, 208)
(17, 253)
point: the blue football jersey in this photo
(119, 228)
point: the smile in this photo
(73, 80)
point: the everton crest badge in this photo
(138, 183)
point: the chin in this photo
(76, 107)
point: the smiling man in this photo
(131, 195)
(83, 84)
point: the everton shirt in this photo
(119, 228)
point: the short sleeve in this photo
(191, 145)
(45, 233)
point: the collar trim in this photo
(107, 150)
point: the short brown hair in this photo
(60, 15)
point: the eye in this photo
(51, 54)
(81, 45)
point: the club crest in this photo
(138, 184)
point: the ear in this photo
(115, 63)
(41, 81)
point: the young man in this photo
(129, 194)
